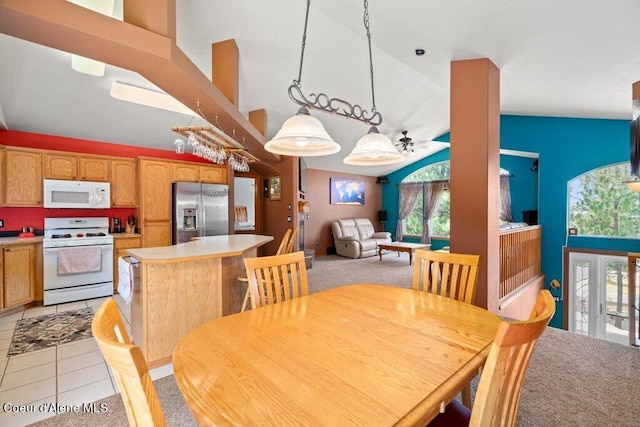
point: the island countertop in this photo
(178, 288)
(201, 248)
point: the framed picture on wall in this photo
(346, 191)
(275, 188)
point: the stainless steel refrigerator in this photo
(199, 210)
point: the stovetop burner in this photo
(62, 232)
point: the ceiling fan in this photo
(407, 146)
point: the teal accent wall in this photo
(567, 147)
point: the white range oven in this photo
(78, 259)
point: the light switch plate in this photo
(1, 222)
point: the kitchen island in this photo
(177, 288)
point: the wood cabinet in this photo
(1, 279)
(62, 165)
(19, 274)
(213, 174)
(154, 211)
(23, 177)
(2, 168)
(123, 183)
(185, 172)
(94, 168)
(120, 246)
(156, 233)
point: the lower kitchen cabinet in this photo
(156, 233)
(19, 275)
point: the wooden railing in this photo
(520, 253)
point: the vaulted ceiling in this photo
(568, 59)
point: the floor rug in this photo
(51, 329)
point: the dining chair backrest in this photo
(284, 243)
(282, 249)
(292, 240)
(498, 396)
(276, 278)
(500, 387)
(129, 367)
(447, 274)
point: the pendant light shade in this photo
(302, 135)
(374, 149)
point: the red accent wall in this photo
(17, 217)
(59, 143)
(323, 213)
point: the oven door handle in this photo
(79, 246)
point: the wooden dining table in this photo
(362, 354)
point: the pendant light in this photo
(373, 149)
(304, 135)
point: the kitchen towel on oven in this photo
(79, 259)
(124, 279)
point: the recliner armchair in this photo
(356, 238)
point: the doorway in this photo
(599, 296)
(244, 195)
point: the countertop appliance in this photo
(76, 194)
(199, 210)
(78, 259)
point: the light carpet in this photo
(572, 380)
(51, 329)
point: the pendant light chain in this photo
(304, 43)
(303, 135)
(366, 26)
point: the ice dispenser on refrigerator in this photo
(189, 219)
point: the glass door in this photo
(599, 302)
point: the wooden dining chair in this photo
(282, 248)
(277, 278)
(498, 396)
(292, 241)
(447, 274)
(129, 367)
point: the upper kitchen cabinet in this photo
(22, 177)
(123, 183)
(213, 174)
(60, 165)
(185, 172)
(190, 172)
(94, 169)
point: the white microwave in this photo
(76, 194)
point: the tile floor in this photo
(69, 374)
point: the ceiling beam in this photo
(62, 25)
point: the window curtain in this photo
(431, 200)
(505, 199)
(407, 198)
